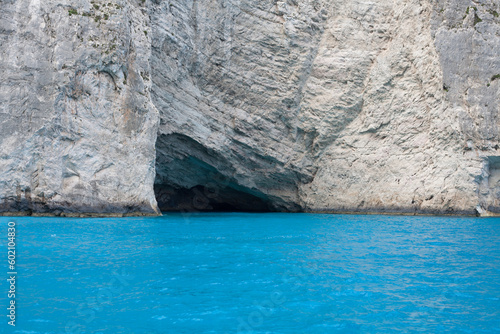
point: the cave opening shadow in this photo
(208, 199)
(189, 179)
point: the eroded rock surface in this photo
(315, 105)
(77, 125)
(378, 106)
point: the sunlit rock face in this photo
(378, 106)
(315, 105)
(77, 126)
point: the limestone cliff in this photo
(314, 105)
(78, 127)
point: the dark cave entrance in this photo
(207, 199)
(192, 178)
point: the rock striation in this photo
(77, 124)
(132, 107)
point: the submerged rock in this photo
(315, 105)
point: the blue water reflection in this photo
(256, 273)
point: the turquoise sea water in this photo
(255, 273)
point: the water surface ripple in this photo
(256, 273)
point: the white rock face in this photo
(77, 124)
(315, 105)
